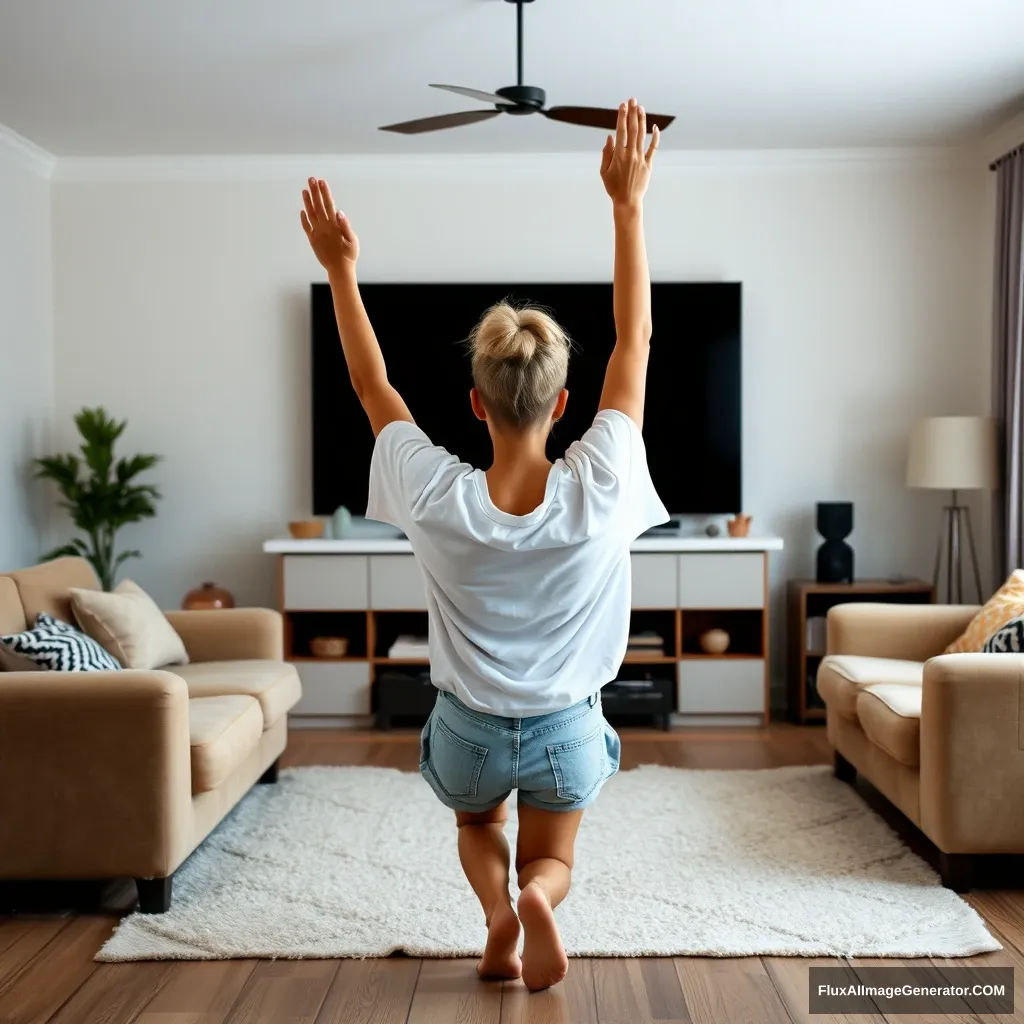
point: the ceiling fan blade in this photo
(599, 117)
(473, 94)
(433, 124)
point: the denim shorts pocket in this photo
(455, 763)
(579, 765)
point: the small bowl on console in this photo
(306, 529)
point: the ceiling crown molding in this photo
(299, 167)
(31, 156)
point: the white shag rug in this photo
(362, 862)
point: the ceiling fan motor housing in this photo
(525, 99)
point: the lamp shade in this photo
(953, 453)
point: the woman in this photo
(526, 566)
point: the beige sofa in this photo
(941, 736)
(123, 774)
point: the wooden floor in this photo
(47, 973)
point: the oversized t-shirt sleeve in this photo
(404, 468)
(614, 447)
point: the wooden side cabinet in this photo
(807, 605)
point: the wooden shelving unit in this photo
(372, 592)
(809, 600)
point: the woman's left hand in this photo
(330, 234)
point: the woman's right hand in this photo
(625, 165)
(330, 234)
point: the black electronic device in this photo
(692, 417)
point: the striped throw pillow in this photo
(56, 646)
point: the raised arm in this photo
(626, 172)
(335, 245)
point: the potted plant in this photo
(99, 493)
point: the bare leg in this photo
(485, 858)
(544, 860)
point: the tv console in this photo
(371, 591)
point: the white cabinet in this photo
(722, 686)
(721, 581)
(334, 688)
(396, 584)
(325, 583)
(655, 581)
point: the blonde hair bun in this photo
(520, 362)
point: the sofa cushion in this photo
(222, 733)
(129, 626)
(841, 677)
(45, 587)
(12, 615)
(890, 715)
(273, 683)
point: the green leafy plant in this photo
(99, 493)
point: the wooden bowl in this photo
(306, 529)
(329, 646)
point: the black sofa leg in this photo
(154, 894)
(844, 771)
(270, 775)
(956, 870)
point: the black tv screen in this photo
(692, 415)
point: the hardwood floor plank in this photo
(790, 977)
(54, 975)
(620, 992)
(664, 993)
(371, 992)
(571, 1002)
(449, 992)
(22, 938)
(198, 993)
(284, 990)
(733, 989)
(932, 976)
(580, 995)
(114, 994)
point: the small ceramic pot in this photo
(209, 595)
(739, 525)
(714, 641)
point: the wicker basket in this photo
(329, 646)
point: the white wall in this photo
(182, 304)
(26, 347)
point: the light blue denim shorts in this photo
(557, 762)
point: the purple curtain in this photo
(1008, 364)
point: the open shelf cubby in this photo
(303, 627)
(388, 626)
(745, 627)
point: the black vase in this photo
(835, 556)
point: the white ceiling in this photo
(127, 77)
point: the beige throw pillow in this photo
(128, 624)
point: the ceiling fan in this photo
(518, 99)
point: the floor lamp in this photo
(954, 453)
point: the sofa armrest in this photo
(909, 632)
(95, 774)
(230, 634)
(972, 753)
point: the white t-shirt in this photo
(527, 614)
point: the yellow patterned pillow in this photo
(1005, 604)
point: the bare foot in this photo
(501, 954)
(544, 960)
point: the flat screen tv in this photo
(692, 416)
